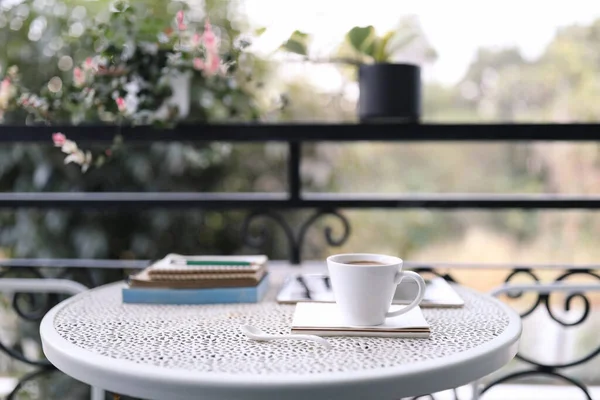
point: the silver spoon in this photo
(254, 333)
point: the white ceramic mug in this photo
(364, 293)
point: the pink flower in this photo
(5, 93)
(121, 104)
(196, 39)
(89, 64)
(59, 139)
(213, 64)
(74, 153)
(78, 77)
(198, 64)
(108, 152)
(209, 38)
(180, 20)
(5, 85)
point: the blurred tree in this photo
(500, 85)
(561, 85)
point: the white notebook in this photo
(317, 288)
(323, 319)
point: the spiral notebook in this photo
(176, 265)
(195, 272)
(199, 281)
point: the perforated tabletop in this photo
(197, 352)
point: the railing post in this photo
(294, 181)
(294, 189)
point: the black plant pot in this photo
(389, 93)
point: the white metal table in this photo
(196, 352)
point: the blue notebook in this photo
(252, 294)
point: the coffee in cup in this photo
(365, 262)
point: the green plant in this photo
(365, 41)
(362, 45)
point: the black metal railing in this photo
(295, 135)
(264, 208)
(313, 132)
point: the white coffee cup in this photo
(364, 292)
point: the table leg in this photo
(476, 389)
(97, 393)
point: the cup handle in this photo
(420, 282)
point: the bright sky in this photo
(455, 28)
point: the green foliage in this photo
(500, 85)
(363, 45)
(131, 64)
(152, 167)
(297, 43)
(379, 49)
(259, 31)
(394, 43)
(380, 52)
(363, 40)
(138, 57)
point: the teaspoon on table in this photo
(254, 333)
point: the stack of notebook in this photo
(178, 279)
